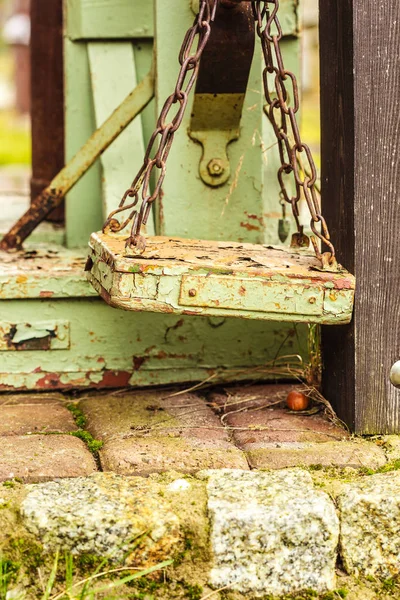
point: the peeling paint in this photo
(254, 282)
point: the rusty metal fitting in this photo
(230, 3)
(216, 167)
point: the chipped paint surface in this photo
(226, 279)
(37, 335)
(113, 348)
(43, 271)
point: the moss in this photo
(93, 445)
(11, 483)
(78, 415)
(26, 552)
(148, 588)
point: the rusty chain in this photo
(160, 142)
(282, 109)
(283, 104)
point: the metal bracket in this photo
(221, 88)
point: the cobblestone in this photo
(37, 418)
(145, 432)
(35, 458)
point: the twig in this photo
(192, 388)
(211, 594)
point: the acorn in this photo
(297, 401)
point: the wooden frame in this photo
(360, 178)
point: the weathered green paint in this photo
(110, 90)
(84, 202)
(115, 348)
(38, 334)
(239, 209)
(258, 282)
(51, 272)
(109, 19)
(110, 347)
(215, 123)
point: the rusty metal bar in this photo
(47, 96)
(63, 182)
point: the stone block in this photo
(37, 418)
(370, 526)
(356, 454)
(256, 427)
(146, 455)
(32, 398)
(146, 432)
(104, 515)
(271, 533)
(35, 458)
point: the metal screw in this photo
(312, 300)
(395, 374)
(192, 293)
(215, 167)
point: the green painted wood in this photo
(272, 211)
(247, 207)
(83, 203)
(44, 271)
(109, 19)
(113, 76)
(143, 52)
(116, 348)
(111, 347)
(222, 279)
(189, 208)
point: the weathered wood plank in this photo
(225, 279)
(113, 76)
(43, 271)
(110, 19)
(83, 202)
(360, 178)
(113, 348)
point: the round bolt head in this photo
(192, 293)
(395, 374)
(215, 167)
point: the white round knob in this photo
(395, 374)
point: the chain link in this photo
(160, 143)
(281, 111)
(282, 106)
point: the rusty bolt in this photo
(192, 293)
(312, 300)
(215, 167)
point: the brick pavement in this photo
(150, 431)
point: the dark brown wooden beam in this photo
(360, 87)
(47, 96)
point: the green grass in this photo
(62, 582)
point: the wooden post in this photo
(47, 96)
(360, 85)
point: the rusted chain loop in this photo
(282, 92)
(309, 180)
(159, 146)
(269, 31)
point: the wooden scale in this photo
(219, 278)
